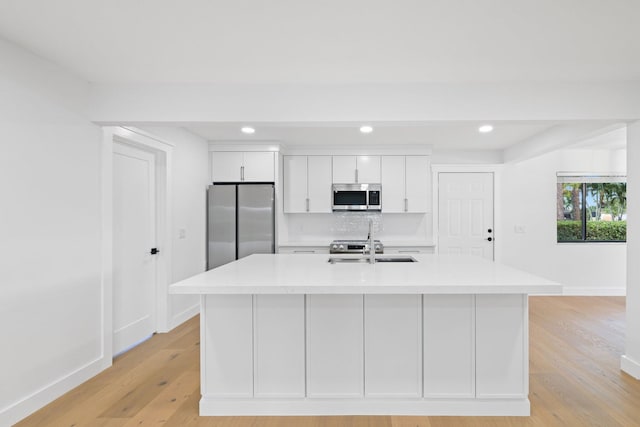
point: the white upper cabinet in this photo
(233, 166)
(307, 184)
(418, 183)
(406, 184)
(356, 169)
(319, 183)
(393, 184)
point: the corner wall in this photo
(631, 359)
(50, 219)
(528, 233)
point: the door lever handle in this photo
(489, 239)
(154, 251)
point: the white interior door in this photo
(465, 214)
(134, 234)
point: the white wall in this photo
(50, 276)
(631, 358)
(190, 179)
(529, 201)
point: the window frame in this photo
(584, 179)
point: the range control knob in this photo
(334, 246)
(341, 247)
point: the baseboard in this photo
(50, 392)
(600, 292)
(630, 366)
(182, 317)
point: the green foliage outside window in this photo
(592, 211)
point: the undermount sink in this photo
(345, 260)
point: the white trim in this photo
(185, 315)
(588, 291)
(48, 393)
(244, 146)
(139, 132)
(433, 407)
(630, 366)
(163, 154)
(359, 150)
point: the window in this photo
(591, 208)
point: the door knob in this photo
(154, 251)
(489, 230)
(489, 239)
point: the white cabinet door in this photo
(418, 183)
(334, 346)
(501, 346)
(368, 169)
(392, 352)
(258, 166)
(344, 169)
(393, 185)
(226, 166)
(230, 348)
(319, 184)
(232, 166)
(278, 342)
(449, 363)
(295, 184)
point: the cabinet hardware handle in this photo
(356, 175)
(307, 204)
(406, 205)
(241, 173)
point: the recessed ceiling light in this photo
(248, 130)
(485, 128)
(366, 129)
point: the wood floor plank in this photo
(575, 380)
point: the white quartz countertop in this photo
(313, 274)
(385, 242)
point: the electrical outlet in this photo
(182, 233)
(520, 229)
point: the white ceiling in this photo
(330, 41)
(455, 136)
(336, 41)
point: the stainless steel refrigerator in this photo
(240, 222)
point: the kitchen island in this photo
(297, 335)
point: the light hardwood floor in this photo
(575, 380)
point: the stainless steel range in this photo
(353, 246)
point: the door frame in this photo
(163, 154)
(496, 169)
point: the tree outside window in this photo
(591, 208)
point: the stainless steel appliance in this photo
(353, 246)
(357, 197)
(240, 222)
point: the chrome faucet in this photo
(372, 246)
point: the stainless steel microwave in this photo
(357, 197)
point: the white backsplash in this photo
(355, 225)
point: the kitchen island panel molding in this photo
(279, 345)
(449, 351)
(392, 352)
(502, 365)
(335, 354)
(226, 339)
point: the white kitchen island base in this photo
(295, 335)
(364, 354)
